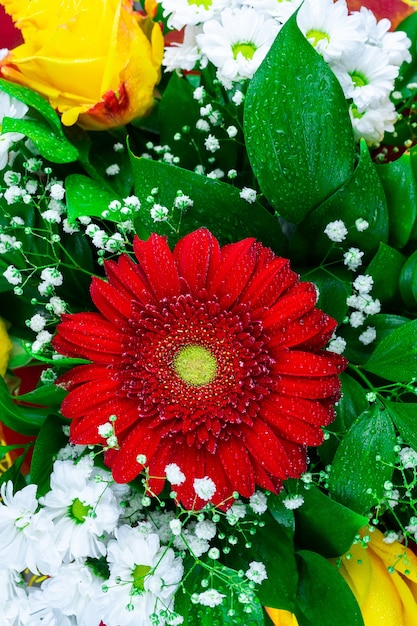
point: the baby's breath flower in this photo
(212, 144)
(256, 572)
(336, 231)
(361, 224)
(211, 598)
(248, 194)
(258, 502)
(159, 213)
(368, 336)
(113, 170)
(293, 501)
(205, 488)
(353, 258)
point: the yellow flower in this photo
(96, 61)
(281, 617)
(387, 597)
(5, 348)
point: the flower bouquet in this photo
(208, 277)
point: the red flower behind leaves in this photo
(210, 358)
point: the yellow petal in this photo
(386, 597)
(281, 617)
(6, 347)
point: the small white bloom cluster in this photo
(60, 536)
(363, 305)
(9, 107)
(236, 35)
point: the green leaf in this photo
(217, 205)
(408, 281)
(395, 358)
(50, 395)
(22, 419)
(298, 132)
(385, 269)
(14, 474)
(34, 100)
(324, 597)
(273, 546)
(401, 192)
(404, 417)
(384, 324)
(351, 404)
(48, 442)
(362, 460)
(86, 197)
(324, 525)
(224, 580)
(52, 145)
(361, 196)
(334, 288)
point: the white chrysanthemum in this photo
(25, 534)
(368, 78)
(185, 55)
(182, 13)
(395, 44)
(281, 10)
(329, 28)
(42, 614)
(81, 509)
(9, 107)
(372, 124)
(73, 591)
(14, 603)
(144, 577)
(237, 43)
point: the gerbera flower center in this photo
(359, 79)
(314, 36)
(79, 511)
(246, 49)
(195, 365)
(201, 3)
(139, 574)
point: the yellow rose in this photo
(5, 348)
(281, 617)
(96, 61)
(387, 597)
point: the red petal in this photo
(237, 263)
(311, 331)
(125, 467)
(197, 256)
(314, 412)
(291, 428)
(127, 276)
(115, 305)
(297, 363)
(268, 283)
(294, 304)
(262, 444)
(157, 261)
(236, 462)
(91, 395)
(82, 374)
(311, 388)
(92, 336)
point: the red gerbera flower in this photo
(209, 358)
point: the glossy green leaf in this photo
(22, 419)
(401, 192)
(361, 196)
(33, 100)
(404, 416)
(273, 546)
(324, 525)
(298, 132)
(324, 597)
(361, 463)
(50, 395)
(14, 474)
(52, 145)
(385, 269)
(334, 288)
(217, 205)
(395, 357)
(224, 580)
(85, 196)
(351, 404)
(48, 442)
(383, 323)
(408, 281)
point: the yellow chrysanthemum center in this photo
(246, 49)
(79, 511)
(201, 3)
(314, 36)
(195, 365)
(139, 574)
